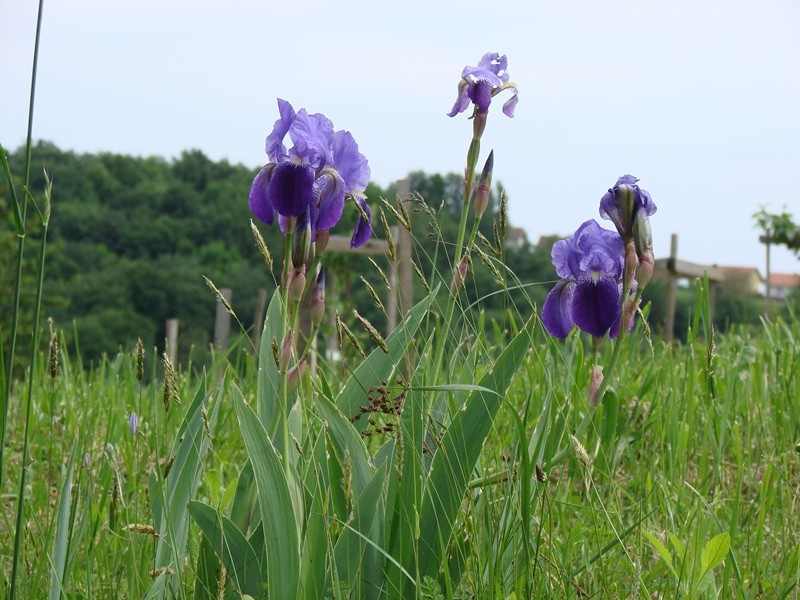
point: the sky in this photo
(700, 99)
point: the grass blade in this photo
(231, 546)
(459, 451)
(63, 528)
(379, 364)
(275, 501)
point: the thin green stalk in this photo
(282, 422)
(472, 161)
(20, 211)
(29, 400)
(589, 415)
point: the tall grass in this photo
(678, 454)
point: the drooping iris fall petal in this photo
(557, 309)
(291, 188)
(363, 228)
(596, 305)
(259, 203)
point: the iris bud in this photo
(595, 379)
(459, 275)
(286, 350)
(297, 283)
(484, 187)
(643, 238)
(321, 241)
(318, 299)
(293, 376)
(302, 240)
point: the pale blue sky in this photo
(699, 99)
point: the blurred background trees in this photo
(131, 239)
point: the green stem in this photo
(28, 410)
(20, 213)
(472, 161)
(15, 316)
(589, 415)
(282, 422)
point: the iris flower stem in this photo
(608, 370)
(283, 397)
(589, 415)
(472, 161)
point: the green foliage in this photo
(130, 240)
(779, 228)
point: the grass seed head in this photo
(580, 451)
(261, 245)
(139, 360)
(170, 382)
(389, 237)
(53, 358)
(141, 528)
(373, 333)
(373, 294)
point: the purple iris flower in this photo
(590, 264)
(624, 203)
(316, 174)
(479, 84)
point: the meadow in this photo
(683, 484)
(550, 451)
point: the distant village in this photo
(740, 280)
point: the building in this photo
(744, 281)
(783, 284)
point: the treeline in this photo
(131, 239)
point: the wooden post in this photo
(172, 340)
(672, 289)
(391, 309)
(258, 318)
(222, 323)
(405, 271)
(768, 296)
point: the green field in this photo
(688, 487)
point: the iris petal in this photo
(595, 306)
(481, 94)
(291, 189)
(276, 151)
(363, 228)
(510, 105)
(349, 162)
(557, 309)
(330, 190)
(259, 203)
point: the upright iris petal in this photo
(480, 84)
